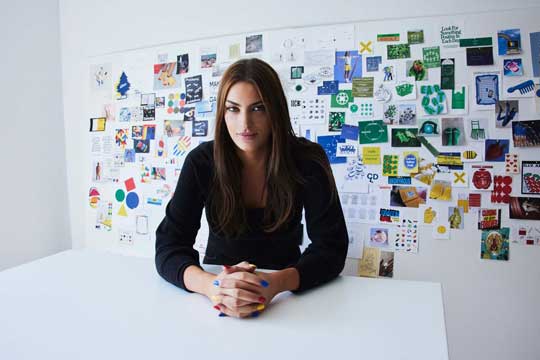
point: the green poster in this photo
(336, 121)
(371, 132)
(447, 74)
(432, 57)
(362, 87)
(458, 99)
(415, 37)
(398, 51)
(341, 99)
(475, 42)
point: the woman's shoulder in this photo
(310, 157)
(202, 155)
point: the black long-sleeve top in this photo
(321, 261)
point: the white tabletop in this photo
(91, 305)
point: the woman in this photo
(253, 180)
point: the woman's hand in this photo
(243, 294)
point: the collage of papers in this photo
(410, 146)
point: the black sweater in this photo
(322, 260)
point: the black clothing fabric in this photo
(321, 261)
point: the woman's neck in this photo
(251, 160)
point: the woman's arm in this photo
(324, 258)
(175, 236)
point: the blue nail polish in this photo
(255, 314)
(264, 283)
(216, 282)
(222, 314)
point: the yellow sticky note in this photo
(410, 162)
(371, 155)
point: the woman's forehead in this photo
(243, 93)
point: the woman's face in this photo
(246, 118)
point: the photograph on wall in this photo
(254, 44)
(453, 131)
(526, 133)
(174, 128)
(429, 127)
(372, 132)
(165, 76)
(509, 41)
(456, 217)
(506, 111)
(530, 177)
(524, 208)
(378, 237)
(182, 64)
(486, 90)
(416, 69)
(407, 114)
(405, 137)
(194, 89)
(496, 149)
(489, 219)
(407, 196)
(386, 264)
(495, 244)
(348, 64)
(513, 67)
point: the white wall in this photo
(34, 202)
(491, 310)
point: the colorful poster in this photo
(530, 177)
(432, 57)
(495, 244)
(348, 65)
(509, 41)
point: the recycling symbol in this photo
(342, 98)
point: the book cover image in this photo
(495, 244)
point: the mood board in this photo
(428, 124)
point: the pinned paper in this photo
(511, 164)
(371, 155)
(460, 178)
(410, 162)
(369, 264)
(390, 165)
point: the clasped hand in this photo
(241, 292)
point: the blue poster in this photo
(535, 53)
(509, 41)
(329, 144)
(348, 65)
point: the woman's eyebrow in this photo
(237, 104)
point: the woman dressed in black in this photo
(254, 180)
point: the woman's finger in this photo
(242, 294)
(242, 312)
(248, 278)
(232, 302)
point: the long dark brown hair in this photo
(227, 210)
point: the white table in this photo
(90, 305)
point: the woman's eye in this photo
(258, 108)
(232, 109)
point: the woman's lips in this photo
(247, 136)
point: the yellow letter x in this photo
(459, 178)
(365, 46)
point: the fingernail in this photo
(217, 307)
(216, 282)
(226, 266)
(260, 307)
(264, 283)
(214, 297)
(252, 265)
(262, 300)
(222, 314)
(255, 314)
